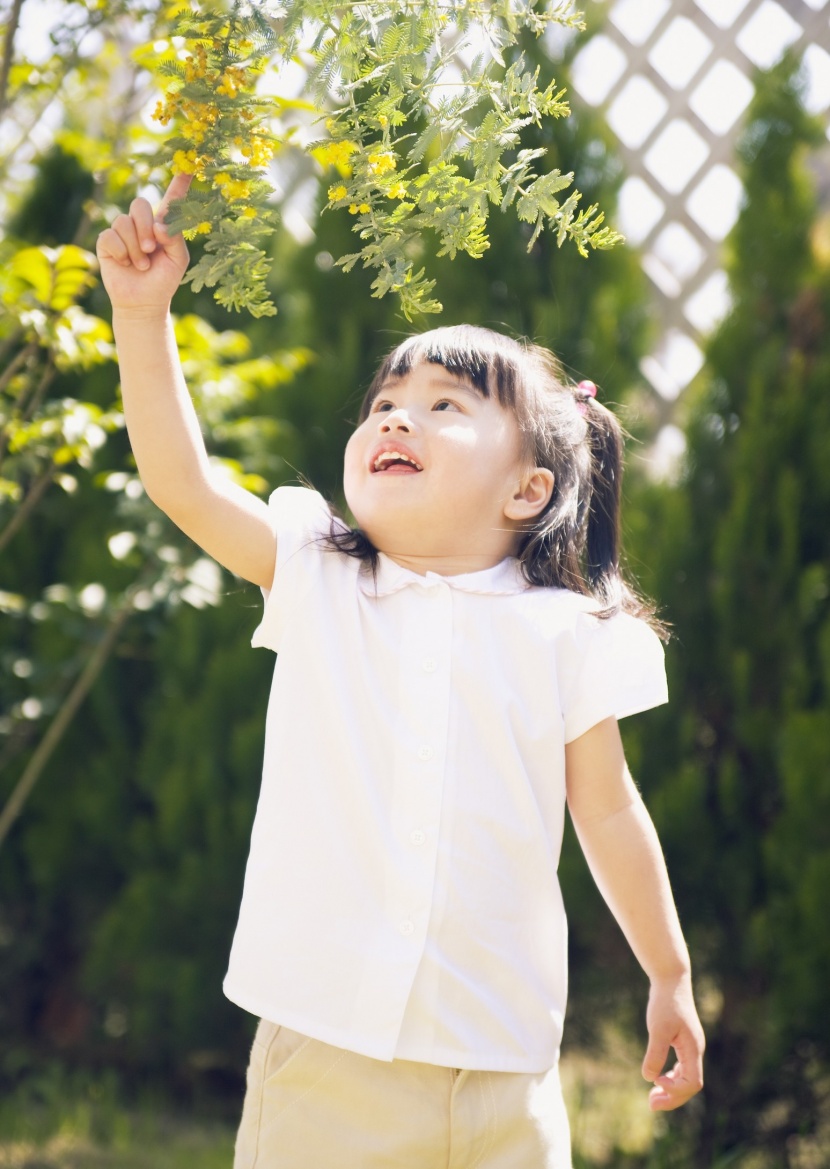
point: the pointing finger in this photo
(178, 188)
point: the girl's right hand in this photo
(141, 265)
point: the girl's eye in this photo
(378, 406)
(445, 404)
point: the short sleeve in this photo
(300, 517)
(612, 668)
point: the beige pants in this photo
(312, 1106)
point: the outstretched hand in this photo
(141, 264)
(673, 1023)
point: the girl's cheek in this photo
(460, 440)
(352, 447)
(354, 458)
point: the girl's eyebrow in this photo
(448, 382)
(467, 387)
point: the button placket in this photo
(422, 698)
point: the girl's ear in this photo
(531, 496)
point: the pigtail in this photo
(602, 537)
(603, 571)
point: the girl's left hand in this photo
(673, 1023)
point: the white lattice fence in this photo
(674, 78)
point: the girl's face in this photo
(433, 476)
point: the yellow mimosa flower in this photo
(380, 163)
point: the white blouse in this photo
(401, 896)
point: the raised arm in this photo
(626, 861)
(141, 267)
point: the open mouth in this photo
(395, 463)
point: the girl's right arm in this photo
(625, 858)
(141, 267)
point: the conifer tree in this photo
(737, 769)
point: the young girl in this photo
(449, 673)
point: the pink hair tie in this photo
(584, 391)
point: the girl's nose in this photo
(397, 419)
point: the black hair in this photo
(574, 543)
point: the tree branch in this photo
(35, 494)
(32, 403)
(8, 52)
(46, 379)
(19, 359)
(61, 721)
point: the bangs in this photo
(492, 363)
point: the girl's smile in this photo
(392, 456)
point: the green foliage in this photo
(427, 104)
(39, 290)
(41, 438)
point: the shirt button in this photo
(428, 665)
(406, 927)
(425, 752)
(417, 837)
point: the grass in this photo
(63, 1121)
(172, 1145)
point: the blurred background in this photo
(132, 707)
